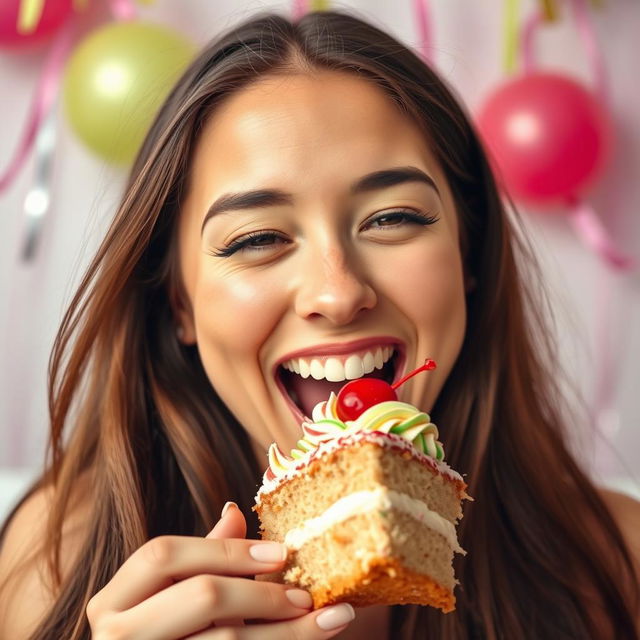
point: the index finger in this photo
(165, 560)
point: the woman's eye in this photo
(395, 219)
(251, 242)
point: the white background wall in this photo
(589, 301)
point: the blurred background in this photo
(63, 164)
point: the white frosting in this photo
(379, 499)
(387, 440)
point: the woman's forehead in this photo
(294, 127)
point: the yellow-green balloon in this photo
(115, 81)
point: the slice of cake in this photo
(366, 507)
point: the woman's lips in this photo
(343, 349)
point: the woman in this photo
(304, 185)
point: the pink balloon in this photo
(54, 14)
(549, 138)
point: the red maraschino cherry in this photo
(357, 396)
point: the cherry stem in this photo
(428, 365)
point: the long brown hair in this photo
(162, 453)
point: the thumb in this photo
(232, 523)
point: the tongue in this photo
(307, 392)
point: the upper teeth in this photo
(336, 369)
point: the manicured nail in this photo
(226, 508)
(299, 598)
(268, 552)
(335, 617)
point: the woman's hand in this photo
(182, 587)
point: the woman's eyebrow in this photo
(275, 197)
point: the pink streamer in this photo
(585, 221)
(590, 43)
(300, 8)
(592, 232)
(43, 100)
(528, 30)
(425, 30)
(123, 10)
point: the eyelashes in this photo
(397, 218)
(255, 242)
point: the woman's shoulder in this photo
(26, 585)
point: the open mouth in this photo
(308, 381)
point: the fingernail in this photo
(299, 598)
(226, 508)
(335, 617)
(268, 552)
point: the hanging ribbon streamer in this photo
(594, 53)
(44, 98)
(511, 35)
(42, 108)
(123, 10)
(585, 222)
(592, 232)
(425, 30)
(300, 8)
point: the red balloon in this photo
(548, 136)
(54, 14)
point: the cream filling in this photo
(360, 502)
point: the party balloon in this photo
(548, 137)
(47, 16)
(116, 80)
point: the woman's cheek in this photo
(234, 314)
(428, 284)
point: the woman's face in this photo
(344, 259)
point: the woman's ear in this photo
(183, 314)
(470, 283)
(185, 328)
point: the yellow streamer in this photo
(320, 5)
(29, 15)
(511, 34)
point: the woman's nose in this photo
(332, 288)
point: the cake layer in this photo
(378, 499)
(360, 464)
(386, 440)
(373, 558)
